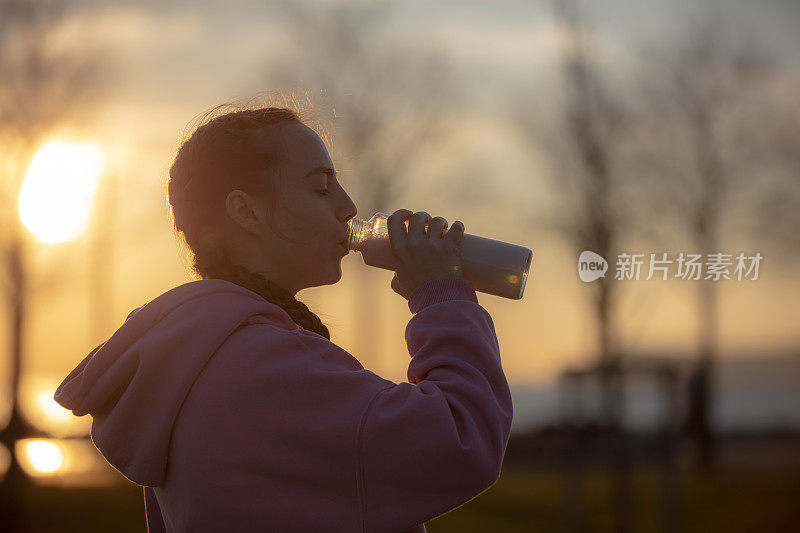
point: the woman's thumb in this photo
(395, 284)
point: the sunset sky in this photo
(178, 59)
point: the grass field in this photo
(732, 501)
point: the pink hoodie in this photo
(235, 419)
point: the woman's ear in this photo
(245, 210)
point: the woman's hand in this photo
(423, 255)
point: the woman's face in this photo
(311, 214)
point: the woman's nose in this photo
(350, 209)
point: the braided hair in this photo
(226, 153)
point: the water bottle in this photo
(493, 267)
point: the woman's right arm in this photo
(428, 446)
(292, 412)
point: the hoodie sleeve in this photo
(152, 511)
(289, 405)
(430, 445)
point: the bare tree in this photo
(583, 146)
(715, 141)
(388, 104)
(41, 85)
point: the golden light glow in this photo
(43, 456)
(39, 407)
(62, 461)
(53, 411)
(55, 198)
(513, 278)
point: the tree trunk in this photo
(15, 481)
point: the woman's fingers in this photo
(436, 227)
(455, 234)
(416, 225)
(396, 224)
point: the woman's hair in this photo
(237, 150)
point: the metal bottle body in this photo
(493, 267)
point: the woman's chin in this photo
(337, 277)
(334, 277)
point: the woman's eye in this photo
(323, 192)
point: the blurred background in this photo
(614, 126)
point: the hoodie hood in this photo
(134, 383)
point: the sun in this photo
(55, 197)
(42, 456)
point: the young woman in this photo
(224, 397)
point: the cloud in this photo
(537, 41)
(130, 29)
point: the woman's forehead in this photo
(303, 148)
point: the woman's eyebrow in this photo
(321, 169)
